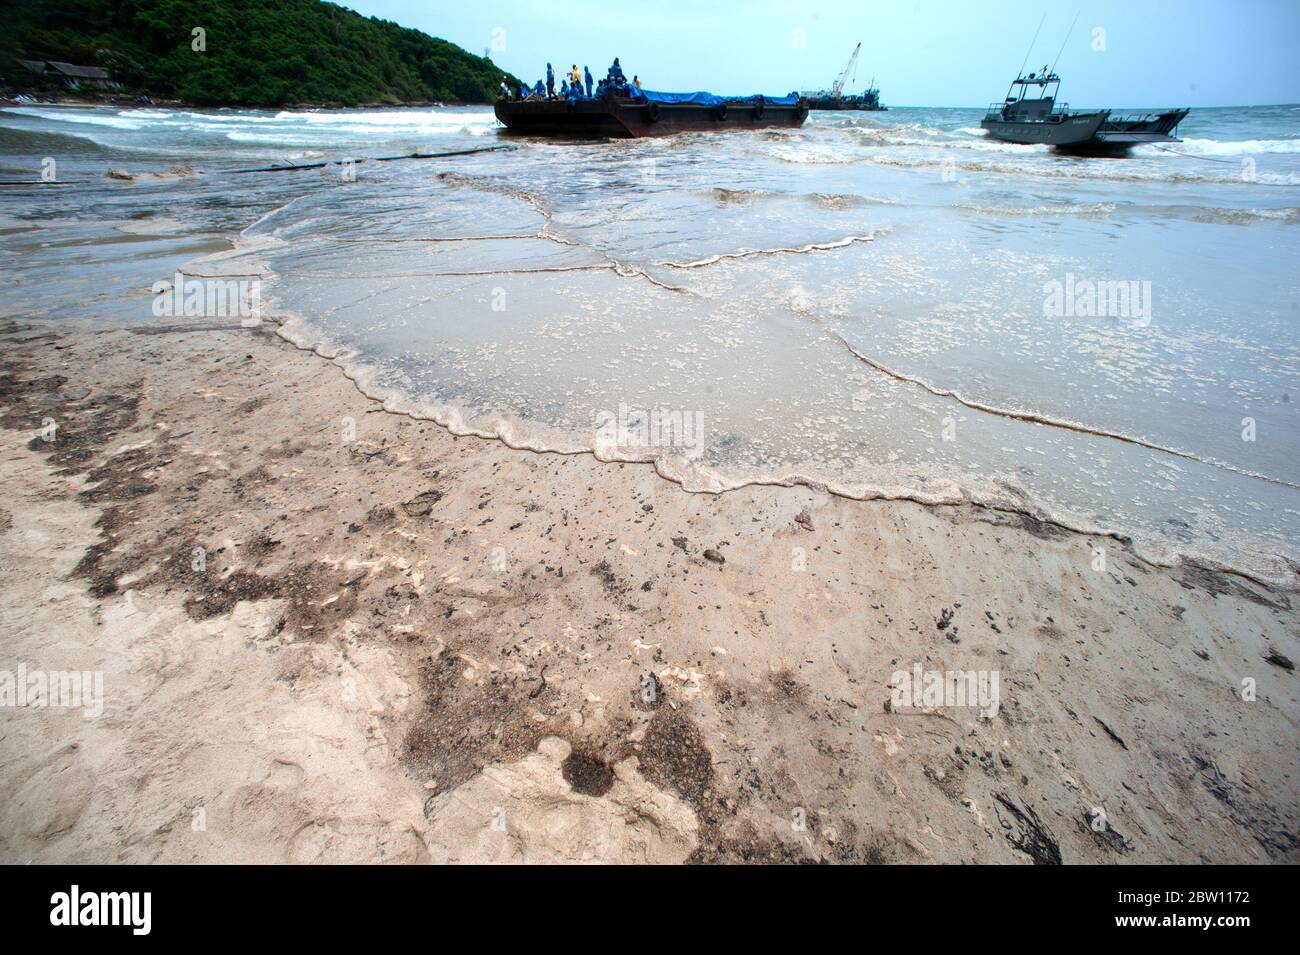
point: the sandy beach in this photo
(330, 633)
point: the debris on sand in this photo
(422, 504)
(1111, 733)
(1095, 822)
(559, 808)
(1027, 833)
(675, 756)
(586, 774)
(1278, 660)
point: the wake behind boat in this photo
(1030, 115)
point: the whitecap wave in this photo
(89, 117)
(1245, 147)
(390, 119)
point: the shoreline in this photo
(656, 674)
(116, 100)
(1277, 570)
(700, 480)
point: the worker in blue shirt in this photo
(550, 82)
(586, 75)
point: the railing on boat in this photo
(1058, 112)
(1136, 118)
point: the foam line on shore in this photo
(1158, 550)
(698, 479)
(1033, 417)
(457, 238)
(747, 253)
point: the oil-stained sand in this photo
(405, 646)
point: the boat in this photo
(641, 113)
(1030, 114)
(1119, 134)
(835, 98)
(867, 101)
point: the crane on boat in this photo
(835, 97)
(837, 88)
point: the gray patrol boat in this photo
(1031, 115)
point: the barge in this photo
(868, 101)
(648, 113)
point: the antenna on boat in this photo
(1063, 42)
(1031, 45)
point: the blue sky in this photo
(922, 52)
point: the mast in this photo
(1021, 72)
(1063, 42)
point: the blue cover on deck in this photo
(711, 99)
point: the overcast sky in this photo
(1122, 53)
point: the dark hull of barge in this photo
(631, 119)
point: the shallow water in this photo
(866, 303)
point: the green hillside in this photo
(259, 52)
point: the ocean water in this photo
(881, 304)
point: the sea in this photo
(880, 305)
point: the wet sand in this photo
(329, 633)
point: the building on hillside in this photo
(73, 76)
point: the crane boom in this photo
(838, 88)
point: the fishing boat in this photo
(648, 113)
(1030, 114)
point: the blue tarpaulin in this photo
(711, 99)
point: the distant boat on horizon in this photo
(834, 98)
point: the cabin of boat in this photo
(1030, 114)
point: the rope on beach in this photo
(280, 167)
(286, 167)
